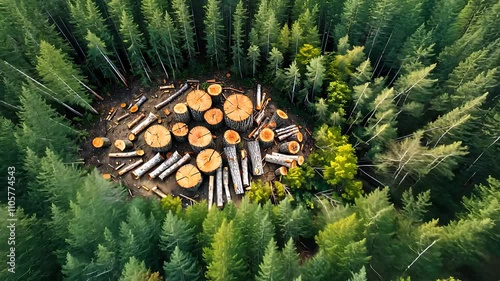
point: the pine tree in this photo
(354, 14)
(135, 270)
(182, 266)
(292, 222)
(238, 39)
(100, 58)
(253, 57)
(415, 207)
(291, 261)
(175, 233)
(309, 27)
(359, 276)
(315, 75)
(291, 80)
(275, 59)
(86, 17)
(296, 40)
(271, 268)
(214, 33)
(283, 43)
(10, 150)
(185, 26)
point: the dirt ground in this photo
(102, 128)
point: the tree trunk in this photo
(200, 138)
(165, 165)
(101, 142)
(215, 91)
(180, 131)
(244, 168)
(225, 178)
(281, 171)
(189, 178)
(126, 154)
(231, 137)
(159, 138)
(130, 167)
(282, 161)
(208, 161)
(210, 192)
(138, 104)
(181, 113)
(139, 172)
(291, 147)
(172, 97)
(214, 118)
(238, 111)
(136, 120)
(280, 117)
(220, 200)
(232, 159)
(170, 170)
(198, 101)
(255, 157)
(266, 137)
(122, 145)
(298, 158)
(141, 126)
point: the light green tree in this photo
(238, 39)
(184, 21)
(214, 33)
(253, 57)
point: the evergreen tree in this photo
(184, 21)
(415, 207)
(135, 270)
(315, 75)
(292, 222)
(309, 27)
(290, 79)
(271, 268)
(296, 40)
(214, 33)
(238, 39)
(175, 233)
(283, 43)
(10, 151)
(359, 276)
(253, 57)
(182, 266)
(275, 59)
(291, 261)
(354, 14)
(100, 58)
(86, 17)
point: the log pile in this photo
(238, 110)
(198, 101)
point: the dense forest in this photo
(402, 95)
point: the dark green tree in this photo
(182, 266)
(214, 33)
(237, 48)
(184, 21)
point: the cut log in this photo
(285, 132)
(138, 104)
(214, 118)
(155, 160)
(257, 130)
(180, 131)
(232, 159)
(291, 147)
(265, 103)
(231, 137)
(130, 167)
(298, 158)
(188, 177)
(173, 96)
(282, 161)
(158, 192)
(136, 120)
(101, 142)
(255, 158)
(123, 117)
(141, 126)
(165, 165)
(281, 171)
(225, 177)
(119, 166)
(181, 113)
(215, 91)
(266, 137)
(220, 200)
(200, 138)
(159, 138)
(106, 176)
(166, 87)
(259, 97)
(210, 192)
(296, 137)
(284, 129)
(238, 110)
(123, 105)
(123, 145)
(198, 101)
(126, 154)
(244, 168)
(174, 167)
(284, 136)
(208, 161)
(280, 117)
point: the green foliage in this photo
(275, 59)
(305, 54)
(292, 222)
(136, 270)
(171, 204)
(214, 33)
(299, 178)
(290, 260)
(253, 58)
(182, 266)
(259, 192)
(237, 48)
(185, 26)
(175, 233)
(415, 207)
(271, 267)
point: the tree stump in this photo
(238, 110)
(266, 137)
(122, 145)
(208, 161)
(215, 91)
(159, 138)
(180, 131)
(181, 113)
(101, 142)
(189, 178)
(200, 138)
(280, 117)
(198, 101)
(291, 147)
(213, 117)
(231, 137)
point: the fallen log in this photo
(291, 147)
(101, 142)
(155, 160)
(296, 137)
(158, 138)
(181, 113)
(123, 117)
(119, 166)
(210, 192)
(180, 131)
(165, 165)
(281, 171)
(298, 158)
(130, 167)
(174, 167)
(266, 137)
(280, 130)
(288, 131)
(158, 192)
(287, 135)
(123, 145)
(173, 96)
(200, 138)
(282, 161)
(198, 101)
(244, 168)
(138, 104)
(231, 137)
(126, 154)
(234, 168)
(233, 89)
(238, 110)
(220, 200)
(259, 97)
(141, 126)
(166, 87)
(225, 177)
(189, 178)
(255, 158)
(136, 120)
(280, 117)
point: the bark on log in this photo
(126, 154)
(281, 130)
(101, 142)
(232, 159)
(231, 137)
(287, 135)
(259, 97)
(155, 160)
(260, 116)
(180, 131)
(173, 96)
(174, 167)
(130, 167)
(215, 91)
(189, 178)
(200, 138)
(181, 113)
(266, 137)
(141, 126)
(165, 165)
(214, 118)
(238, 110)
(296, 137)
(244, 168)
(291, 147)
(123, 117)
(255, 157)
(198, 101)
(210, 192)
(220, 200)
(225, 177)
(291, 130)
(122, 145)
(282, 161)
(298, 158)
(138, 104)
(208, 161)
(281, 171)
(280, 117)
(136, 120)
(262, 125)
(158, 192)
(159, 138)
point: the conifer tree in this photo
(296, 40)
(415, 207)
(86, 17)
(100, 58)
(135, 270)
(275, 59)
(175, 233)
(354, 14)
(292, 222)
(184, 21)
(214, 33)
(182, 266)
(271, 267)
(290, 79)
(309, 27)
(238, 56)
(291, 260)
(315, 76)
(253, 57)
(359, 276)
(10, 150)
(283, 43)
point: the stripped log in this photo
(173, 96)
(158, 192)
(285, 132)
(232, 159)
(260, 116)
(284, 129)
(101, 142)
(225, 178)
(281, 171)
(266, 137)
(215, 91)
(155, 160)
(259, 97)
(174, 167)
(208, 161)
(214, 118)
(255, 158)
(159, 138)
(287, 135)
(126, 154)
(282, 161)
(122, 117)
(257, 130)
(296, 137)
(244, 168)
(165, 165)
(298, 158)
(189, 178)
(130, 167)
(119, 166)
(231, 137)
(141, 126)
(220, 200)
(138, 104)
(238, 110)
(210, 192)
(280, 117)
(291, 147)
(136, 120)
(181, 113)
(200, 138)
(265, 103)
(122, 145)
(198, 101)
(180, 131)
